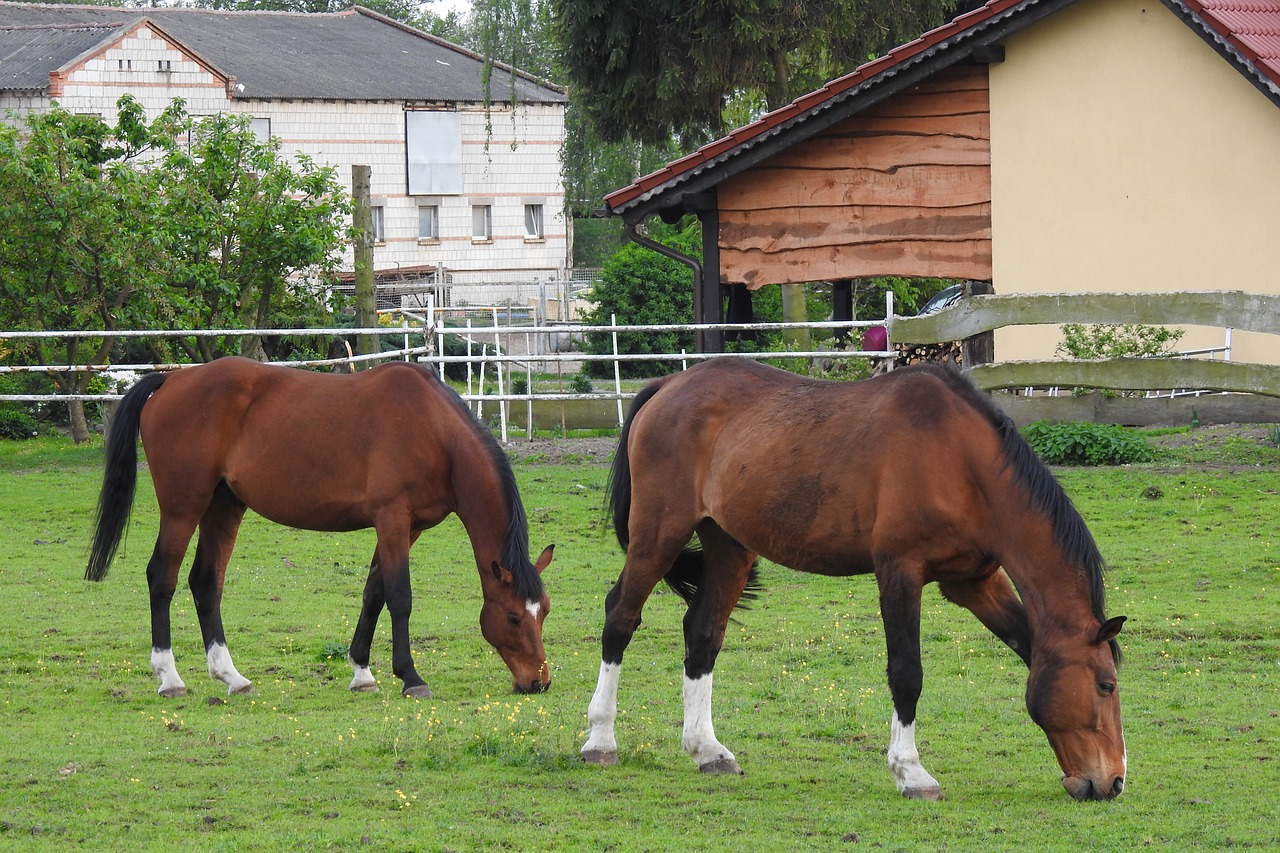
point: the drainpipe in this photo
(633, 232)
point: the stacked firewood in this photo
(949, 353)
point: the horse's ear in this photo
(544, 559)
(502, 575)
(1110, 629)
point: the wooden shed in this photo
(1042, 145)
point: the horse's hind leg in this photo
(644, 567)
(726, 569)
(900, 589)
(218, 528)
(162, 581)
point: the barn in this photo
(1044, 146)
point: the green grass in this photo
(92, 758)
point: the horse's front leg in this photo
(393, 554)
(900, 612)
(374, 599)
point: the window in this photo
(482, 222)
(533, 222)
(429, 222)
(433, 149)
(377, 221)
(164, 66)
(261, 129)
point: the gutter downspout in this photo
(691, 263)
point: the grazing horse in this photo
(391, 448)
(914, 476)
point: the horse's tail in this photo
(685, 574)
(119, 477)
(618, 492)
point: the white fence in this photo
(512, 346)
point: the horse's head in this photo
(513, 625)
(1072, 695)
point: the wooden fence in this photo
(1254, 388)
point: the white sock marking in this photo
(699, 737)
(904, 758)
(603, 711)
(164, 668)
(221, 668)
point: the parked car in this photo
(876, 338)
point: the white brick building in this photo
(472, 189)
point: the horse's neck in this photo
(1053, 589)
(481, 504)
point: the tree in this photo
(78, 235)
(242, 220)
(669, 67)
(639, 286)
(169, 225)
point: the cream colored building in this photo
(1043, 145)
(460, 186)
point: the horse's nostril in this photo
(1117, 787)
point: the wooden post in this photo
(981, 348)
(362, 220)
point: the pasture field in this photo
(92, 758)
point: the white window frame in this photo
(430, 208)
(482, 222)
(378, 223)
(535, 222)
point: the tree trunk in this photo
(794, 311)
(79, 423)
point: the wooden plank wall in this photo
(901, 189)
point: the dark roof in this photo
(354, 55)
(1246, 32)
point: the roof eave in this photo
(1191, 14)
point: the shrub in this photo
(1079, 443)
(1116, 341)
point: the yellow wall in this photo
(1128, 156)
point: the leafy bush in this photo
(16, 423)
(1079, 443)
(1116, 341)
(642, 287)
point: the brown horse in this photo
(392, 448)
(914, 476)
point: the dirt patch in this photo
(563, 451)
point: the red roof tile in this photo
(1250, 26)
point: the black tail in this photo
(119, 477)
(685, 575)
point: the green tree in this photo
(639, 286)
(665, 68)
(243, 219)
(78, 234)
(175, 224)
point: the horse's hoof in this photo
(173, 692)
(366, 687)
(721, 767)
(932, 794)
(422, 691)
(244, 690)
(601, 757)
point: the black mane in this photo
(1070, 533)
(515, 546)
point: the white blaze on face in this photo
(534, 607)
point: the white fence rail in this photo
(496, 355)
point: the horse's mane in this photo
(1070, 533)
(515, 546)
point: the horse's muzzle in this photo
(535, 686)
(1083, 788)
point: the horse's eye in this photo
(1106, 687)
(513, 619)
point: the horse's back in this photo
(805, 471)
(299, 447)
